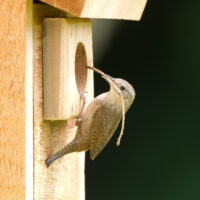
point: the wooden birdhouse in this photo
(44, 50)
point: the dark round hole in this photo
(80, 67)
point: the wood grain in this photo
(112, 9)
(61, 39)
(12, 100)
(70, 6)
(65, 178)
(29, 101)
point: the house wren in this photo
(98, 122)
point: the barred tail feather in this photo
(65, 150)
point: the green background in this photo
(159, 156)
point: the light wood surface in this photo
(29, 101)
(64, 179)
(61, 39)
(112, 9)
(12, 99)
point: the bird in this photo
(99, 121)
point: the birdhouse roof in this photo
(109, 9)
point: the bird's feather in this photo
(103, 128)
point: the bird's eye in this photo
(122, 88)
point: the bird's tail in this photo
(65, 150)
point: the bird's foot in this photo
(84, 99)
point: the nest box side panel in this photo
(64, 179)
(12, 100)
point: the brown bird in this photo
(99, 121)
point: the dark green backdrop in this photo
(159, 156)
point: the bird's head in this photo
(126, 89)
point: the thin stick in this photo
(122, 101)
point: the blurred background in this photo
(159, 155)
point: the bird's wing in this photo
(105, 122)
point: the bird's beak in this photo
(110, 77)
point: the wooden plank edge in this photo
(86, 9)
(29, 101)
